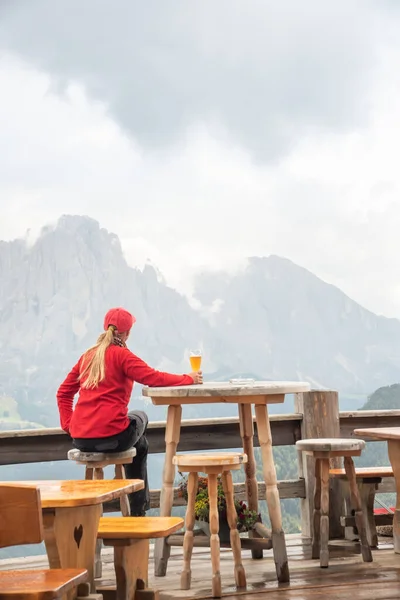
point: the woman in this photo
(104, 377)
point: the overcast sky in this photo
(206, 131)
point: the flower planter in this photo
(224, 530)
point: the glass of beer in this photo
(195, 360)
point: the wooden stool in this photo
(322, 450)
(212, 464)
(95, 463)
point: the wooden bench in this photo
(130, 538)
(368, 480)
(21, 523)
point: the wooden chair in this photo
(21, 523)
(213, 464)
(368, 480)
(129, 536)
(322, 450)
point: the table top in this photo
(380, 433)
(225, 391)
(63, 494)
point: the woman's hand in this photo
(197, 377)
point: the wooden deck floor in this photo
(346, 578)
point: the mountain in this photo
(294, 325)
(385, 398)
(271, 320)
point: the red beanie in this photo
(120, 318)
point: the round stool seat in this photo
(331, 445)
(211, 459)
(93, 457)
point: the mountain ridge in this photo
(272, 318)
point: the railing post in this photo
(320, 410)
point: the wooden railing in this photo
(317, 416)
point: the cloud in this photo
(169, 137)
(330, 205)
(266, 71)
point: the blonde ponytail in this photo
(93, 369)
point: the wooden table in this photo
(259, 393)
(71, 514)
(392, 436)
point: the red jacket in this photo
(102, 411)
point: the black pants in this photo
(133, 436)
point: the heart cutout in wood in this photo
(78, 533)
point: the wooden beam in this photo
(349, 421)
(43, 445)
(380, 520)
(293, 488)
(320, 410)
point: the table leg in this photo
(172, 434)
(367, 493)
(358, 513)
(394, 457)
(316, 541)
(272, 494)
(247, 435)
(70, 536)
(324, 521)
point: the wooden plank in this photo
(346, 573)
(71, 493)
(43, 445)
(380, 520)
(364, 472)
(361, 419)
(203, 541)
(294, 488)
(123, 528)
(21, 515)
(379, 433)
(212, 389)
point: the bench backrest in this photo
(20, 516)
